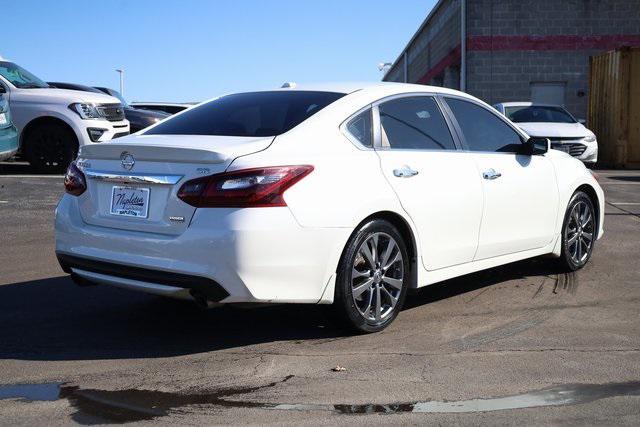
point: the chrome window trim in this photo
(129, 178)
(345, 131)
(377, 123)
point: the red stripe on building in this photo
(521, 43)
(604, 42)
(452, 58)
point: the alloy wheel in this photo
(377, 277)
(579, 233)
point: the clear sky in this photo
(190, 50)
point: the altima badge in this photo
(176, 218)
(127, 160)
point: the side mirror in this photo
(3, 89)
(535, 146)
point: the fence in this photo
(614, 107)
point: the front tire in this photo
(373, 278)
(579, 232)
(50, 148)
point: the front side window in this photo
(360, 128)
(482, 129)
(19, 77)
(249, 114)
(539, 114)
(414, 123)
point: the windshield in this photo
(538, 114)
(19, 77)
(248, 114)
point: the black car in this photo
(138, 118)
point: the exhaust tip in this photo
(202, 301)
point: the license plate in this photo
(130, 201)
(3, 119)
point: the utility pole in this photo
(121, 72)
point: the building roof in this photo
(415, 35)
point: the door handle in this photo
(491, 174)
(404, 172)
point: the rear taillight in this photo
(74, 181)
(259, 187)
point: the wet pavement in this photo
(523, 343)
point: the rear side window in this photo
(360, 128)
(248, 114)
(483, 130)
(414, 123)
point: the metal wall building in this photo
(514, 50)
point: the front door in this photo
(520, 192)
(437, 185)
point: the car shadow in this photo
(19, 168)
(482, 279)
(53, 319)
(625, 178)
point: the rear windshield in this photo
(248, 114)
(539, 114)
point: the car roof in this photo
(527, 104)
(171, 104)
(350, 87)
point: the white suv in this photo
(53, 123)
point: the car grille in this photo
(112, 112)
(573, 146)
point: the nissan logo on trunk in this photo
(127, 160)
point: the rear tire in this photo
(373, 278)
(50, 148)
(579, 232)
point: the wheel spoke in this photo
(572, 239)
(365, 312)
(576, 214)
(378, 304)
(586, 219)
(387, 253)
(587, 236)
(579, 250)
(574, 252)
(396, 283)
(368, 256)
(359, 290)
(355, 274)
(374, 249)
(393, 300)
(395, 259)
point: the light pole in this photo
(384, 68)
(121, 72)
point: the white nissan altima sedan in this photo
(340, 194)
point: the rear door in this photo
(520, 192)
(437, 185)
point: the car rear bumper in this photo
(230, 255)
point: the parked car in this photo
(53, 123)
(556, 123)
(8, 133)
(138, 118)
(341, 194)
(171, 108)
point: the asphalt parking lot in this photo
(522, 343)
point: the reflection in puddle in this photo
(135, 405)
(44, 391)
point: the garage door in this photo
(548, 93)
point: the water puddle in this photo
(136, 405)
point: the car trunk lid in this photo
(132, 184)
